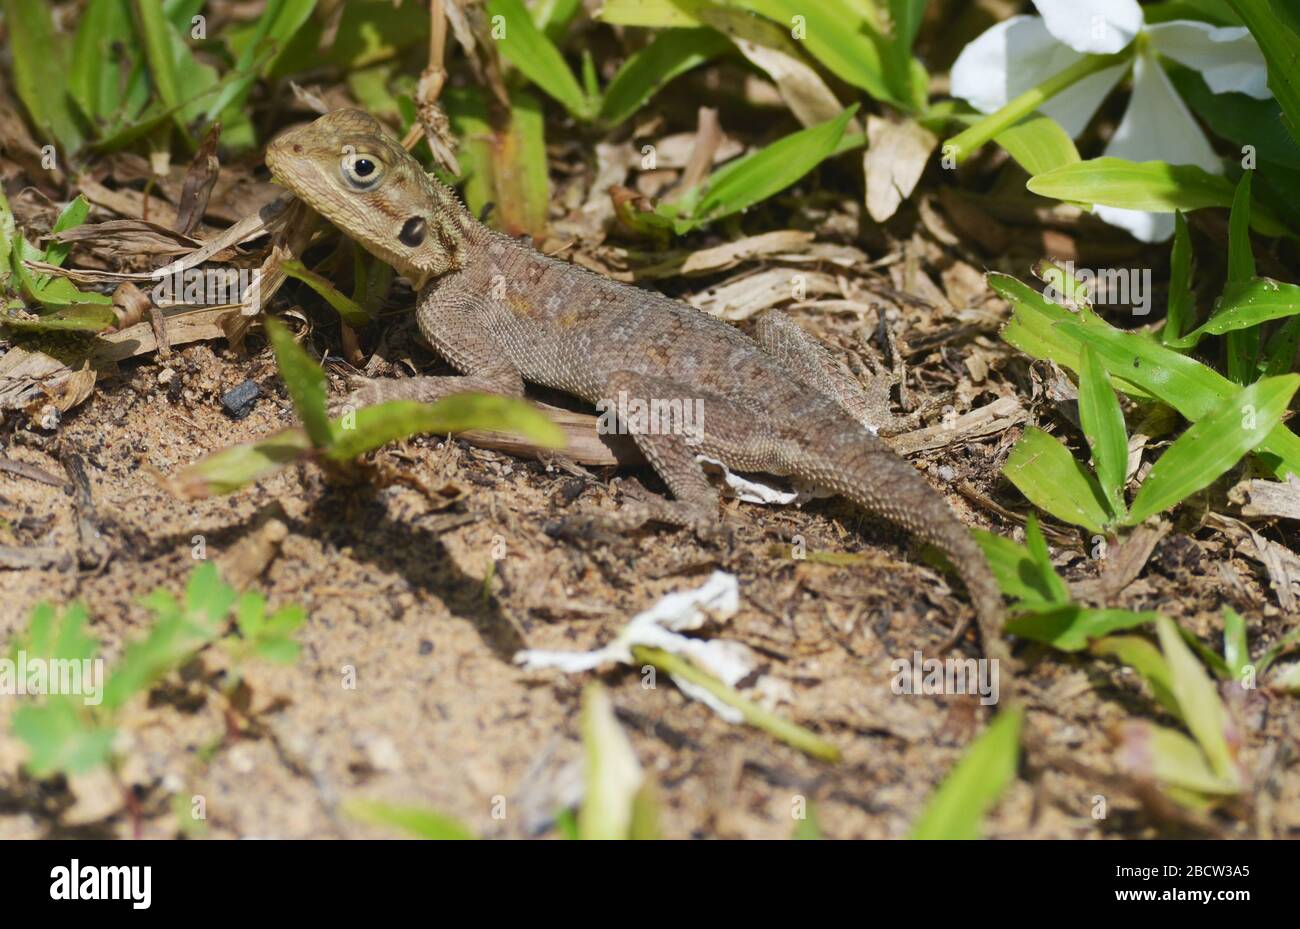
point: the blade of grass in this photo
(1198, 701)
(1213, 444)
(1048, 475)
(529, 50)
(1178, 315)
(304, 380)
(1103, 426)
(958, 807)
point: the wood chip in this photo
(1268, 498)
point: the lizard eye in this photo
(361, 172)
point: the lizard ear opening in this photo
(413, 231)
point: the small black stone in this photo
(238, 401)
(426, 647)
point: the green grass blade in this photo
(1019, 573)
(156, 37)
(529, 50)
(1071, 628)
(1103, 426)
(759, 175)
(304, 380)
(1246, 305)
(232, 468)
(1242, 344)
(958, 807)
(1213, 444)
(40, 72)
(672, 53)
(1038, 144)
(842, 36)
(1048, 475)
(420, 823)
(1236, 652)
(613, 776)
(1152, 186)
(1144, 658)
(1198, 700)
(1044, 330)
(386, 422)
(345, 306)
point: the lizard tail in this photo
(868, 472)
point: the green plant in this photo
(70, 734)
(354, 433)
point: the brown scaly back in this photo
(362, 180)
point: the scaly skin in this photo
(502, 313)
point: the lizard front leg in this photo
(449, 323)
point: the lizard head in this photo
(348, 169)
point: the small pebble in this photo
(238, 401)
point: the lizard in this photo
(502, 314)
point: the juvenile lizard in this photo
(503, 313)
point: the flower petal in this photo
(1074, 107)
(1227, 57)
(1097, 27)
(984, 74)
(1156, 127)
(1145, 227)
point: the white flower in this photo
(1023, 51)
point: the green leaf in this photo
(40, 72)
(958, 807)
(1280, 43)
(378, 425)
(72, 216)
(1178, 314)
(423, 824)
(304, 380)
(759, 175)
(1103, 426)
(1198, 701)
(536, 56)
(1038, 144)
(1047, 474)
(1144, 658)
(1176, 760)
(650, 13)
(1141, 366)
(1036, 545)
(1245, 305)
(1018, 573)
(61, 738)
(842, 36)
(1242, 344)
(77, 317)
(1152, 186)
(272, 32)
(1071, 628)
(672, 53)
(105, 49)
(613, 775)
(1236, 653)
(1213, 444)
(506, 164)
(351, 312)
(156, 39)
(236, 467)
